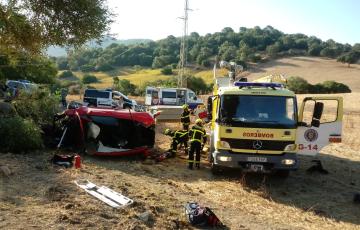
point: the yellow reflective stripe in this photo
(200, 131)
(195, 140)
(193, 161)
(181, 134)
(185, 116)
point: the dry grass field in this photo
(40, 196)
(314, 70)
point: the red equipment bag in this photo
(201, 216)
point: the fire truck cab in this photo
(258, 126)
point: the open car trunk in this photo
(110, 132)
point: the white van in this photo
(171, 96)
(108, 98)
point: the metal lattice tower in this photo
(182, 82)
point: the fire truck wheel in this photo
(282, 173)
(215, 169)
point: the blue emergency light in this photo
(258, 84)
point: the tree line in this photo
(247, 45)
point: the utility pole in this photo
(182, 81)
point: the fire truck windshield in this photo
(258, 111)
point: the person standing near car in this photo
(63, 95)
(185, 117)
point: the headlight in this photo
(224, 144)
(224, 158)
(288, 162)
(291, 147)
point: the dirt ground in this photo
(40, 196)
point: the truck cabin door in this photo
(148, 96)
(319, 124)
(181, 97)
(191, 97)
(152, 96)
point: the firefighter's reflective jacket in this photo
(197, 134)
(179, 136)
(185, 117)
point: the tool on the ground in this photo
(62, 138)
(63, 160)
(105, 194)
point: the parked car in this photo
(16, 85)
(108, 98)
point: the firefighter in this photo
(178, 137)
(185, 117)
(197, 135)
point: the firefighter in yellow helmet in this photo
(178, 137)
(197, 135)
(185, 117)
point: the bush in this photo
(39, 106)
(205, 63)
(335, 87)
(300, 85)
(88, 79)
(124, 86)
(104, 67)
(19, 135)
(87, 68)
(254, 58)
(197, 84)
(137, 67)
(167, 70)
(67, 74)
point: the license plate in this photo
(256, 168)
(257, 159)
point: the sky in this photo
(156, 19)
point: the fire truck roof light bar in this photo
(258, 84)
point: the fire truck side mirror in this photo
(318, 110)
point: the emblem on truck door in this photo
(257, 144)
(311, 135)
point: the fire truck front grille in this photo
(257, 144)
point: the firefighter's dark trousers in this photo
(174, 146)
(195, 147)
(185, 126)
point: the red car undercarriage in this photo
(107, 132)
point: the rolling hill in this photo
(314, 70)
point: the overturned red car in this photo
(106, 132)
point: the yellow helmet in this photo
(199, 121)
(167, 131)
(185, 106)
